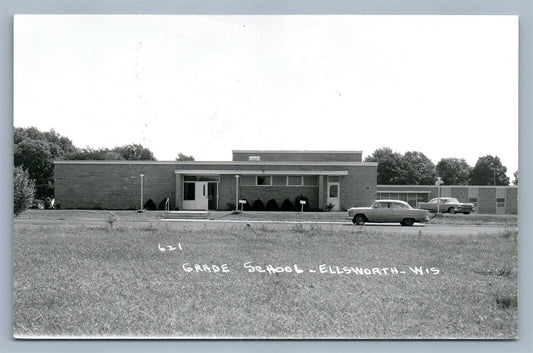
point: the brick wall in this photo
(358, 188)
(486, 200)
(117, 185)
(280, 193)
(112, 186)
(511, 200)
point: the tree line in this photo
(414, 168)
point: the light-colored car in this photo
(388, 211)
(447, 205)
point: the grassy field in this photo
(96, 280)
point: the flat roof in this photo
(249, 163)
(292, 151)
(444, 186)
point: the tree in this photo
(35, 157)
(88, 153)
(489, 171)
(389, 166)
(515, 180)
(35, 151)
(184, 157)
(417, 169)
(23, 190)
(135, 152)
(454, 171)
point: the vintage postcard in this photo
(265, 177)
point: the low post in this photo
(142, 179)
(237, 193)
(241, 203)
(438, 183)
(302, 202)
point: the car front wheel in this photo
(451, 210)
(359, 220)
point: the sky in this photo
(205, 85)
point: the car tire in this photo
(407, 222)
(359, 220)
(451, 210)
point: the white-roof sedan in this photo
(388, 211)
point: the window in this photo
(398, 205)
(500, 202)
(254, 158)
(264, 180)
(333, 191)
(188, 191)
(294, 180)
(200, 178)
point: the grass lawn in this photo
(91, 279)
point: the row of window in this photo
(279, 180)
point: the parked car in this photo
(447, 205)
(388, 211)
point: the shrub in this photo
(329, 206)
(111, 219)
(272, 205)
(247, 206)
(23, 190)
(230, 206)
(162, 204)
(258, 205)
(287, 205)
(149, 205)
(297, 203)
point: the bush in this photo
(230, 206)
(297, 203)
(287, 205)
(162, 204)
(247, 206)
(272, 205)
(258, 205)
(23, 190)
(149, 205)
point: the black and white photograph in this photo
(265, 177)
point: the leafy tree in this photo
(184, 157)
(389, 166)
(417, 169)
(515, 180)
(35, 157)
(454, 171)
(88, 153)
(23, 190)
(135, 152)
(489, 171)
(35, 151)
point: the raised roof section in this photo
(296, 156)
